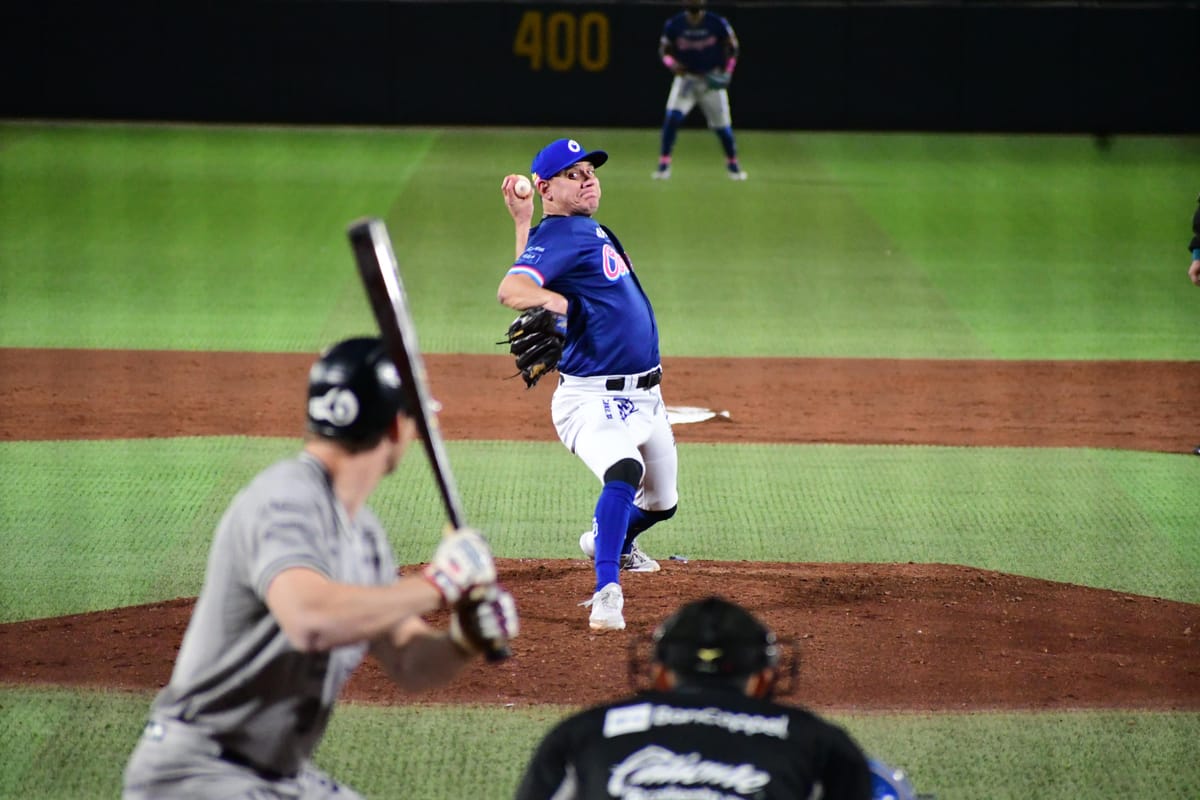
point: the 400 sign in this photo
(562, 41)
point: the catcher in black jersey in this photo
(708, 728)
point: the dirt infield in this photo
(870, 636)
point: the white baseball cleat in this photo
(661, 174)
(738, 175)
(606, 606)
(635, 560)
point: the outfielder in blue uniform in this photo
(607, 407)
(1194, 246)
(701, 49)
(1194, 269)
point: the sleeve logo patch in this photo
(532, 255)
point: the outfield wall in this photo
(955, 66)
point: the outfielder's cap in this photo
(560, 154)
(354, 390)
(714, 638)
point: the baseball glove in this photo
(718, 79)
(536, 339)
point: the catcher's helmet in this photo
(889, 783)
(714, 638)
(354, 390)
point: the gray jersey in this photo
(237, 676)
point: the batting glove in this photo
(484, 620)
(462, 560)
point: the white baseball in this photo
(522, 187)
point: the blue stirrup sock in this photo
(612, 520)
(727, 143)
(670, 129)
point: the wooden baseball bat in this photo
(380, 273)
(381, 277)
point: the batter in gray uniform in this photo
(301, 584)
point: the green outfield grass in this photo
(106, 537)
(871, 245)
(843, 245)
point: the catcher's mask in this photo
(354, 391)
(716, 642)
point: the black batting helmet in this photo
(714, 638)
(354, 390)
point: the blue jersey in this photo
(700, 48)
(610, 325)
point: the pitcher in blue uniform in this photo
(608, 407)
(701, 49)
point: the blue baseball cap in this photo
(560, 154)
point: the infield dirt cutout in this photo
(870, 636)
